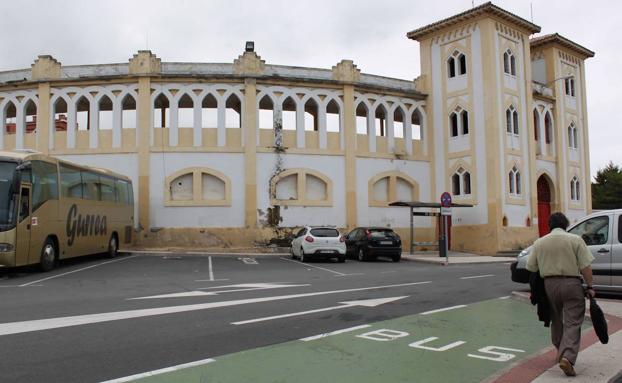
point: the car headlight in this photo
(523, 253)
(5, 247)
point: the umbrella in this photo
(598, 321)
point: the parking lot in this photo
(96, 319)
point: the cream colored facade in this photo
(250, 149)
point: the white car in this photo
(318, 242)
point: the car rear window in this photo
(382, 233)
(324, 233)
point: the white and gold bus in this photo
(51, 209)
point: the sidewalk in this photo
(597, 362)
(454, 258)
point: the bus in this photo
(52, 209)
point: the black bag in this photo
(598, 321)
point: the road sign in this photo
(445, 199)
(445, 211)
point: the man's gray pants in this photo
(567, 301)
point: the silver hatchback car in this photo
(602, 233)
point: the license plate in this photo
(326, 251)
(386, 242)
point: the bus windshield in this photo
(7, 172)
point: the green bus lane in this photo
(461, 344)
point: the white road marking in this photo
(52, 323)
(211, 270)
(343, 305)
(215, 280)
(337, 332)
(479, 276)
(161, 371)
(317, 267)
(75, 271)
(443, 309)
(250, 287)
(249, 261)
(505, 297)
(346, 275)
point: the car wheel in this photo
(113, 247)
(48, 256)
(341, 259)
(396, 258)
(361, 256)
(303, 258)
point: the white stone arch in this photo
(418, 108)
(117, 111)
(19, 99)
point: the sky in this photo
(317, 33)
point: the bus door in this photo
(22, 235)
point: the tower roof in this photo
(484, 9)
(556, 38)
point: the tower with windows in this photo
(519, 94)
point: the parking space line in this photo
(211, 270)
(479, 276)
(337, 332)
(346, 275)
(75, 271)
(317, 267)
(443, 309)
(160, 371)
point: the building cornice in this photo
(486, 9)
(556, 38)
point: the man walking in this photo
(562, 258)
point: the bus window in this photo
(90, 186)
(122, 191)
(107, 189)
(70, 181)
(7, 194)
(24, 204)
(44, 183)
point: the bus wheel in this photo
(113, 246)
(48, 256)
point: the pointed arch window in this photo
(456, 64)
(569, 86)
(573, 137)
(511, 120)
(509, 63)
(574, 189)
(458, 122)
(514, 178)
(548, 128)
(461, 182)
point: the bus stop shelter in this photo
(434, 210)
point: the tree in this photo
(607, 190)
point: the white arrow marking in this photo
(364, 303)
(51, 323)
(244, 287)
(249, 261)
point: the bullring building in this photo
(230, 154)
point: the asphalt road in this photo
(95, 319)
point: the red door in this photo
(544, 211)
(544, 205)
